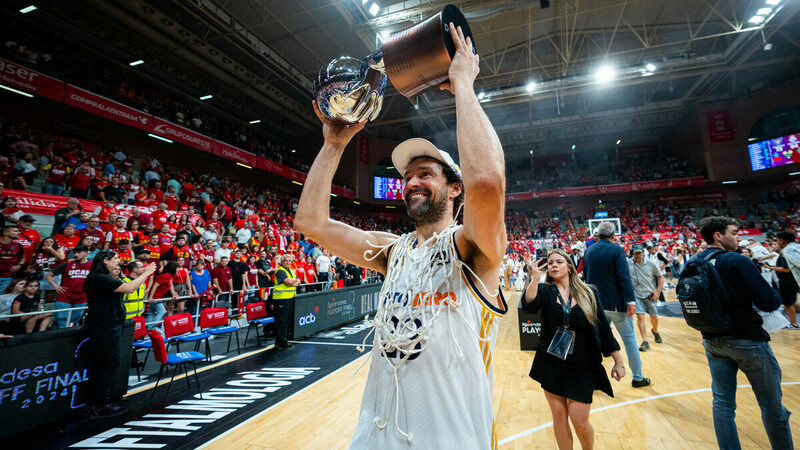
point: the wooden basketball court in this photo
(673, 412)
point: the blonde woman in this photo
(574, 338)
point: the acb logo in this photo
(307, 320)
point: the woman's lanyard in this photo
(565, 307)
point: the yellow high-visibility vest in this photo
(284, 291)
(134, 302)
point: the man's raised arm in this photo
(313, 217)
(481, 157)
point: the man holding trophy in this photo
(430, 376)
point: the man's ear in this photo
(454, 190)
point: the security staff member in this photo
(134, 301)
(285, 291)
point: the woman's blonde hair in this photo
(580, 291)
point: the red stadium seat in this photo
(215, 321)
(179, 360)
(256, 314)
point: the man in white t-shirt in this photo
(324, 267)
(244, 234)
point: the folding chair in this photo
(215, 322)
(140, 340)
(179, 360)
(180, 328)
(256, 314)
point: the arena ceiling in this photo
(259, 57)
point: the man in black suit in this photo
(606, 267)
(576, 258)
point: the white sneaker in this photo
(793, 326)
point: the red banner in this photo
(686, 182)
(720, 125)
(109, 109)
(707, 196)
(280, 169)
(577, 191)
(342, 192)
(233, 153)
(549, 193)
(18, 77)
(180, 134)
(648, 185)
(46, 204)
(519, 196)
(614, 188)
(363, 148)
(749, 232)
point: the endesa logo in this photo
(307, 320)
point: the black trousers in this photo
(284, 311)
(104, 343)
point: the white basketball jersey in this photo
(430, 378)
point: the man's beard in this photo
(428, 211)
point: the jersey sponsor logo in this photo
(78, 273)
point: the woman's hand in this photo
(536, 267)
(618, 372)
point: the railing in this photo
(310, 287)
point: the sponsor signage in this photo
(322, 310)
(601, 214)
(182, 135)
(46, 204)
(706, 196)
(21, 78)
(44, 376)
(608, 188)
(530, 328)
(233, 153)
(107, 108)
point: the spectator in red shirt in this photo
(28, 238)
(117, 234)
(56, 177)
(156, 190)
(160, 216)
(162, 285)
(153, 248)
(222, 279)
(68, 240)
(142, 217)
(79, 182)
(91, 230)
(12, 256)
(252, 272)
(70, 285)
(124, 252)
(171, 199)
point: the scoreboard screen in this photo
(775, 152)
(388, 188)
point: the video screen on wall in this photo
(775, 152)
(388, 188)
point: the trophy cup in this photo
(415, 60)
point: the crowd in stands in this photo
(56, 59)
(588, 170)
(206, 232)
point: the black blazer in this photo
(605, 266)
(553, 317)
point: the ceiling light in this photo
(756, 19)
(243, 165)
(364, 2)
(206, 97)
(15, 91)
(159, 138)
(416, 105)
(794, 173)
(28, 9)
(390, 168)
(530, 87)
(356, 202)
(333, 195)
(764, 11)
(374, 9)
(136, 63)
(605, 74)
(773, 2)
(618, 141)
(297, 182)
(730, 182)
(768, 46)
(561, 195)
(253, 122)
(481, 95)
(573, 146)
(531, 152)
(650, 67)
(294, 150)
(390, 207)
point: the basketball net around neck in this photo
(404, 324)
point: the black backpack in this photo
(706, 304)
